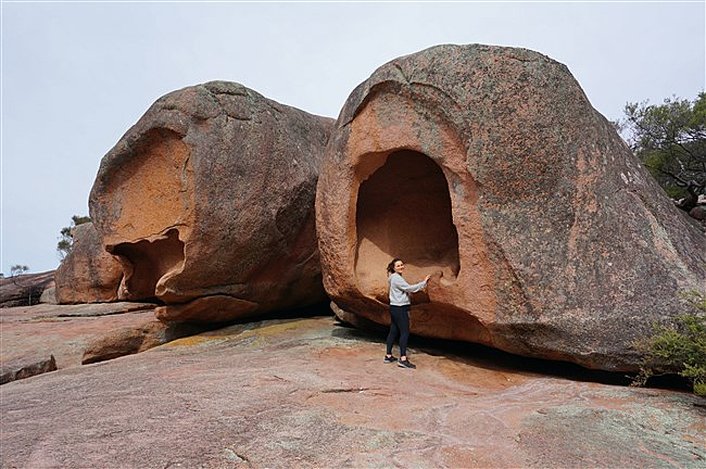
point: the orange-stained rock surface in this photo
(211, 194)
(88, 274)
(309, 393)
(487, 168)
(217, 308)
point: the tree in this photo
(17, 270)
(66, 241)
(27, 286)
(670, 139)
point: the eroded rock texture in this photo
(489, 165)
(211, 195)
(88, 274)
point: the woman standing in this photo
(399, 310)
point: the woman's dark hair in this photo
(391, 265)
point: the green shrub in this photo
(679, 347)
(66, 241)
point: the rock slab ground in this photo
(310, 393)
(65, 331)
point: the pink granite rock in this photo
(223, 399)
(488, 168)
(211, 193)
(88, 274)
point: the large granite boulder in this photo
(488, 168)
(208, 203)
(88, 274)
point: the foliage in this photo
(670, 139)
(679, 347)
(17, 270)
(66, 241)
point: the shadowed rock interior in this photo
(146, 262)
(404, 210)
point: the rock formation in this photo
(208, 203)
(41, 338)
(25, 289)
(48, 295)
(488, 167)
(88, 274)
(26, 368)
(135, 338)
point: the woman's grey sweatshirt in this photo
(400, 290)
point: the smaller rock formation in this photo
(208, 203)
(134, 339)
(88, 274)
(24, 290)
(26, 368)
(49, 294)
(32, 333)
(698, 212)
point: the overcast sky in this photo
(76, 76)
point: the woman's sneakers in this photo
(406, 364)
(402, 363)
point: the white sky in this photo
(76, 76)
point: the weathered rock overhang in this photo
(407, 194)
(148, 234)
(404, 210)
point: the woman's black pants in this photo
(399, 324)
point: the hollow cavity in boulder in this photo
(403, 210)
(146, 262)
